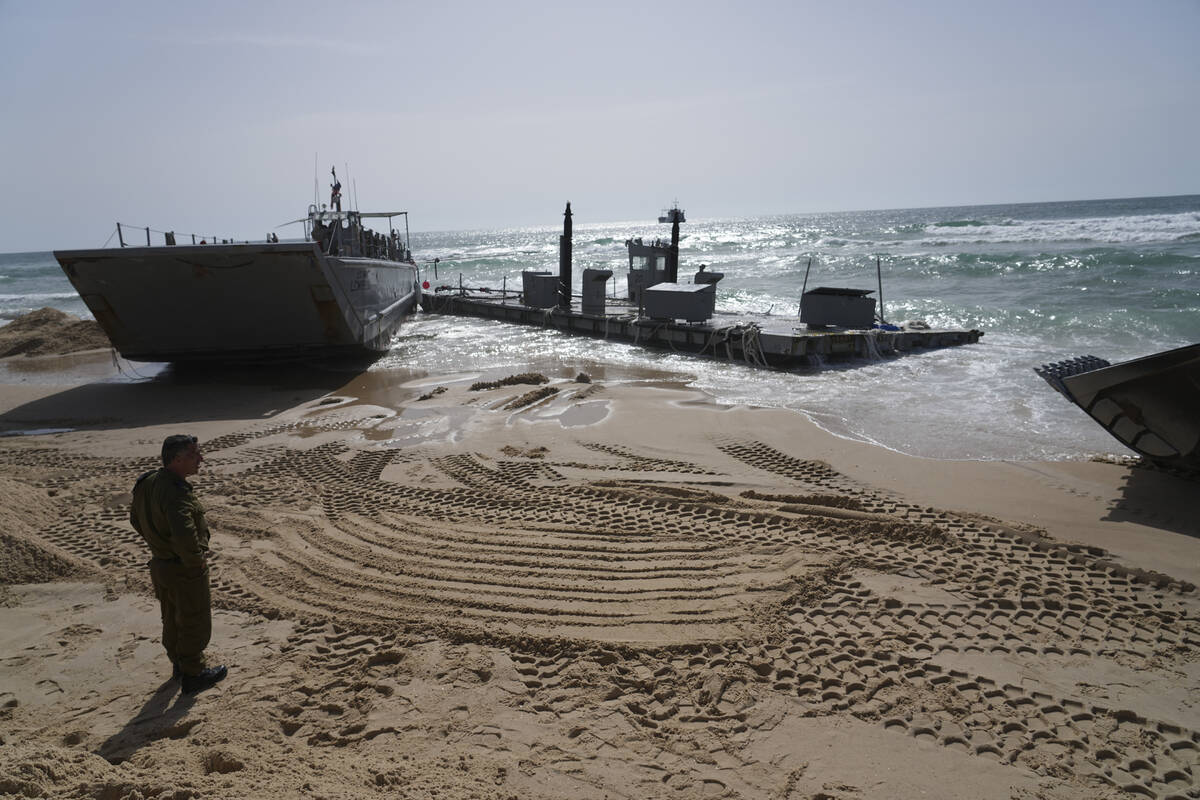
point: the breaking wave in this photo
(961, 223)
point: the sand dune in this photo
(612, 592)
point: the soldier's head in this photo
(181, 455)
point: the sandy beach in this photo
(608, 590)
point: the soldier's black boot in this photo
(205, 680)
(176, 673)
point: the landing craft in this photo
(343, 291)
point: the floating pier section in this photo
(771, 342)
(661, 313)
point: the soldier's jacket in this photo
(167, 514)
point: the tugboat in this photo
(342, 291)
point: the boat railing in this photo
(346, 236)
(357, 241)
(170, 238)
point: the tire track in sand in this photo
(685, 613)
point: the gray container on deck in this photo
(689, 301)
(842, 308)
(540, 289)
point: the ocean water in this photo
(1117, 279)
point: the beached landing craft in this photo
(343, 291)
(662, 312)
(1150, 404)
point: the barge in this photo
(661, 312)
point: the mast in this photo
(672, 271)
(564, 262)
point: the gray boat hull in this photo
(241, 301)
(1151, 404)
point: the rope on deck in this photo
(752, 352)
(747, 336)
(872, 345)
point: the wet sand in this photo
(617, 590)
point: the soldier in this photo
(335, 191)
(167, 514)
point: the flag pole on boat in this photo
(879, 277)
(804, 288)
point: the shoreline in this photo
(613, 588)
(1015, 489)
(94, 365)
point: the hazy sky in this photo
(207, 117)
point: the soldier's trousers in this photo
(185, 602)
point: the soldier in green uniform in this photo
(167, 514)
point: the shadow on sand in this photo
(179, 394)
(1153, 497)
(157, 719)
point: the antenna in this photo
(316, 193)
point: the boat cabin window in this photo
(649, 262)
